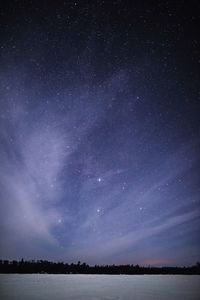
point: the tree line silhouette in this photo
(48, 267)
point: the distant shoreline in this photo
(48, 267)
(101, 274)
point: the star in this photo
(99, 130)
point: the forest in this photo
(48, 267)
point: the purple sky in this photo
(99, 133)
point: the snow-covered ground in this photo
(99, 287)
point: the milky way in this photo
(99, 132)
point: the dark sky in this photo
(99, 131)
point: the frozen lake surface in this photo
(99, 287)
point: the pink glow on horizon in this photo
(160, 262)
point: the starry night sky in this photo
(99, 131)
